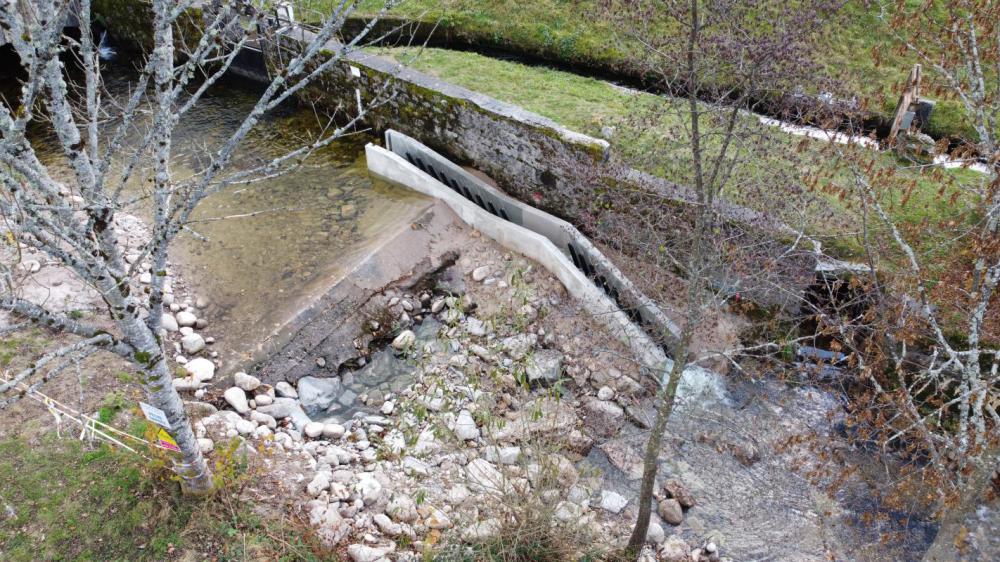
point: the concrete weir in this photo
(587, 275)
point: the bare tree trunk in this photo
(196, 478)
(665, 407)
(696, 269)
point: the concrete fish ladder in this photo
(581, 268)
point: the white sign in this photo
(155, 415)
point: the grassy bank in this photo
(575, 32)
(589, 105)
(63, 500)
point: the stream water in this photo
(305, 230)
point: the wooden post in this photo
(911, 94)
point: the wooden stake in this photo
(911, 95)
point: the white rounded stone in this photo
(237, 399)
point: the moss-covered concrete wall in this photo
(532, 157)
(130, 23)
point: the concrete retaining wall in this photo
(566, 238)
(533, 157)
(130, 23)
(395, 168)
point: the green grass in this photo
(586, 105)
(575, 32)
(25, 342)
(61, 500)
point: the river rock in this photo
(568, 512)
(605, 393)
(264, 419)
(612, 501)
(285, 408)
(186, 319)
(481, 530)
(264, 399)
(206, 445)
(503, 455)
(363, 553)
(544, 367)
(192, 343)
(402, 508)
(187, 384)
(169, 323)
(313, 429)
(480, 273)
(412, 465)
(475, 326)
(200, 369)
(369, 488)
(674, 549)
(484, 474)
(676, 489)
(386, 525)
(331, 526)
(333, 430)
(481, 352)
(465, 426)
(245, 381)
(318, 394)
(437, 519)
(245, 427)
(518, 346)
(318, 484)
(670, 511)
(404, 340)
(285, 390)
(655, 533)
(237, 399)
(336, 456)
(604, 417)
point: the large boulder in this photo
(316, 394)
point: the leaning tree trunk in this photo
(196, 478)
(194, 473)
(649, 462)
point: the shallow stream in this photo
(260, 252)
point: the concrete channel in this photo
(587, 274)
